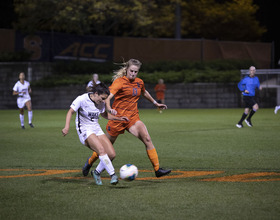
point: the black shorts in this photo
(249, 101)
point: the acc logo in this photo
(85, 51)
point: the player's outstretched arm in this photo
(15, 92)
(108, 116)
(65, 130)
(108, 105)
(29, 90)
(148, 96)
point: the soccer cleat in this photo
(114, 179)
(249, 123)
(22, 127)
(97, 178)
(31, 125)
(239, 125)
(86, 168)
(161, 172)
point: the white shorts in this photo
(21, 102)
(85, 132)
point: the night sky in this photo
(269, 16)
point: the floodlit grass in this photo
(185, 139)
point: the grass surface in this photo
(187, 140)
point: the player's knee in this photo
(146, 139)
(112, 155)
(256, 107)
(100, 151)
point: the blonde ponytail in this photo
(122, 71)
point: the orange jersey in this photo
(160, 89)
(127, 95)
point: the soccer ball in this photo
(128, 172)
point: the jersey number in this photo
(134, 92)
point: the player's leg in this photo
(20, 104)
(246, 111)
(94, 155)
(111, 127)
(94, 143)
(89, 163)
(110, 151)
(107, 144)
(112, 139)
(21, 117)
(140, 131)
(253, 111)
(244, 115)
(30, 113)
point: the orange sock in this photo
(93, 158)
(152, 154)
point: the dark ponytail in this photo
(100, 88)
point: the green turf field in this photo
(219, 171)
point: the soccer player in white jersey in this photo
(88, 107)
(93, 82)
(22, 89)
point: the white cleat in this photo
(239, 125)
(248, 123)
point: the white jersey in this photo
(90, 83)
(22, 89)
(87, 113)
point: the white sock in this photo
(21, 118)
(107, 164)
(30, 116)
(100, 167)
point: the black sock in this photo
(96, 172)
(251, 114)
(242, 118)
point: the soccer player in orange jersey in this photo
(160, 92)
(127, 89)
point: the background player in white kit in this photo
(22, 89)
(88, 107)
(93, 82)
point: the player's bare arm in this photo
(108, 105)
(147, 96)
(20, 94)
(65, 130)
(15, 93)
(108, 116)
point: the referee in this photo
(248, 86)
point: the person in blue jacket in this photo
(247, 86)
